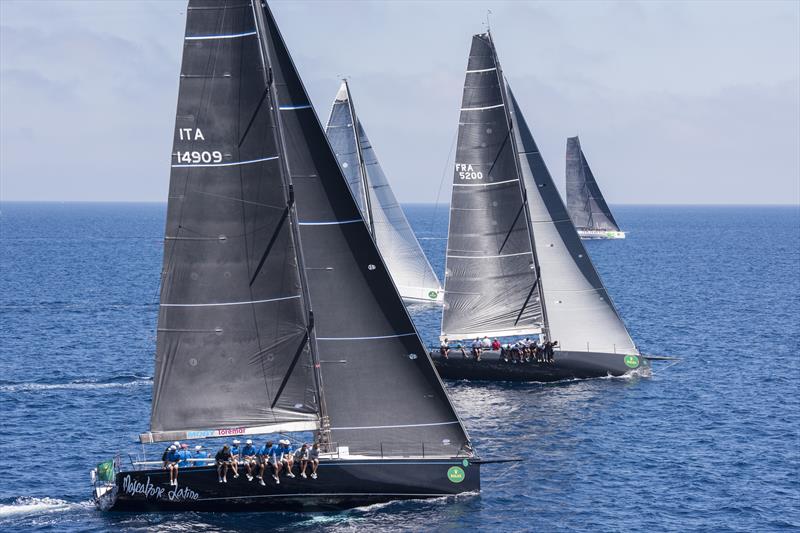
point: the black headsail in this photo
(232, 320)
(491, 285)
(587, 207)
(381, 390)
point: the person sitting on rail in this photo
(460, 347)
(236, 454)
(486, 344)
(503, 353)
(301, 457)
(477, 349)
(496, 345)
(444, 349)
(171, 459)
(268, 456)
(313, 458)
(223, 462)
(286, 456)
(199, 453)
(549, 351)
(249, 458)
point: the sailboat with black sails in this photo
(515, 265)
(585, 202)
(277, 313)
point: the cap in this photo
(176, 444)
(236, 441)
(248, 441)
(173, 447)
(198, 447)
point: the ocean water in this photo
(709, 444)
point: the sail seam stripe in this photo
(233, 303)
(481, 108)
(365, 338)
(230, 36)
(397, 426)
(488, 256)
(329, 223)
(292, 107)
(483, 184)
(481, 70)
(233, 164)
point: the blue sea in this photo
(709, 444)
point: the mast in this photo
(523, 190)
(258, 14)
(361, 165)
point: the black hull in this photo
(342, 484)
(567, 365)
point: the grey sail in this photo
(580, 313)
(232, 317)
(491, 283)
(410, 269)
(587, 207)
(380, 388)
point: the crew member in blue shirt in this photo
(249, 458)
(287, 456)
(236, 453)
(268, 455)
(184, 454)
(199, 453)
(171, 464)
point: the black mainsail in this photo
(491, 283)
(514, 257)
(277, 310)
(587, 207)
(410, 269)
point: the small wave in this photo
(81, 385)
(26, 505)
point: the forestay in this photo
(490, 277)
(380, 387)
(580, 313)
(585, 202)
(407, 264)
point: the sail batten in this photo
(410, 269)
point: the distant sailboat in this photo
(410, 269)
(277, 312)
(588, 209)
(515, 264)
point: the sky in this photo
(675, 102)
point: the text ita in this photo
(190, 134)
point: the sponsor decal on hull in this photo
(631, 361)
(133, 487)
(456, 474)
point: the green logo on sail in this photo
(632, 361)
(456, 474)
(432, 295)
(105, 471)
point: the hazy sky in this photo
(695, 102)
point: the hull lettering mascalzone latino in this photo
(148, 490)
(466, 172)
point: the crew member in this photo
(249, 458)
(444, 349)
(287, 456)
(236, 454)
(199, 453)
(171, 464)
(301, 456)
(313, 458)
(223, 462)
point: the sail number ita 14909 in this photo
(466, 172)
(196, 156)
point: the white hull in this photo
(600, 234)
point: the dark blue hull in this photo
(567, 365)
(341, 484)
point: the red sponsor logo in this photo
(230, 431)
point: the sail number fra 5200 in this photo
(466, 172)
